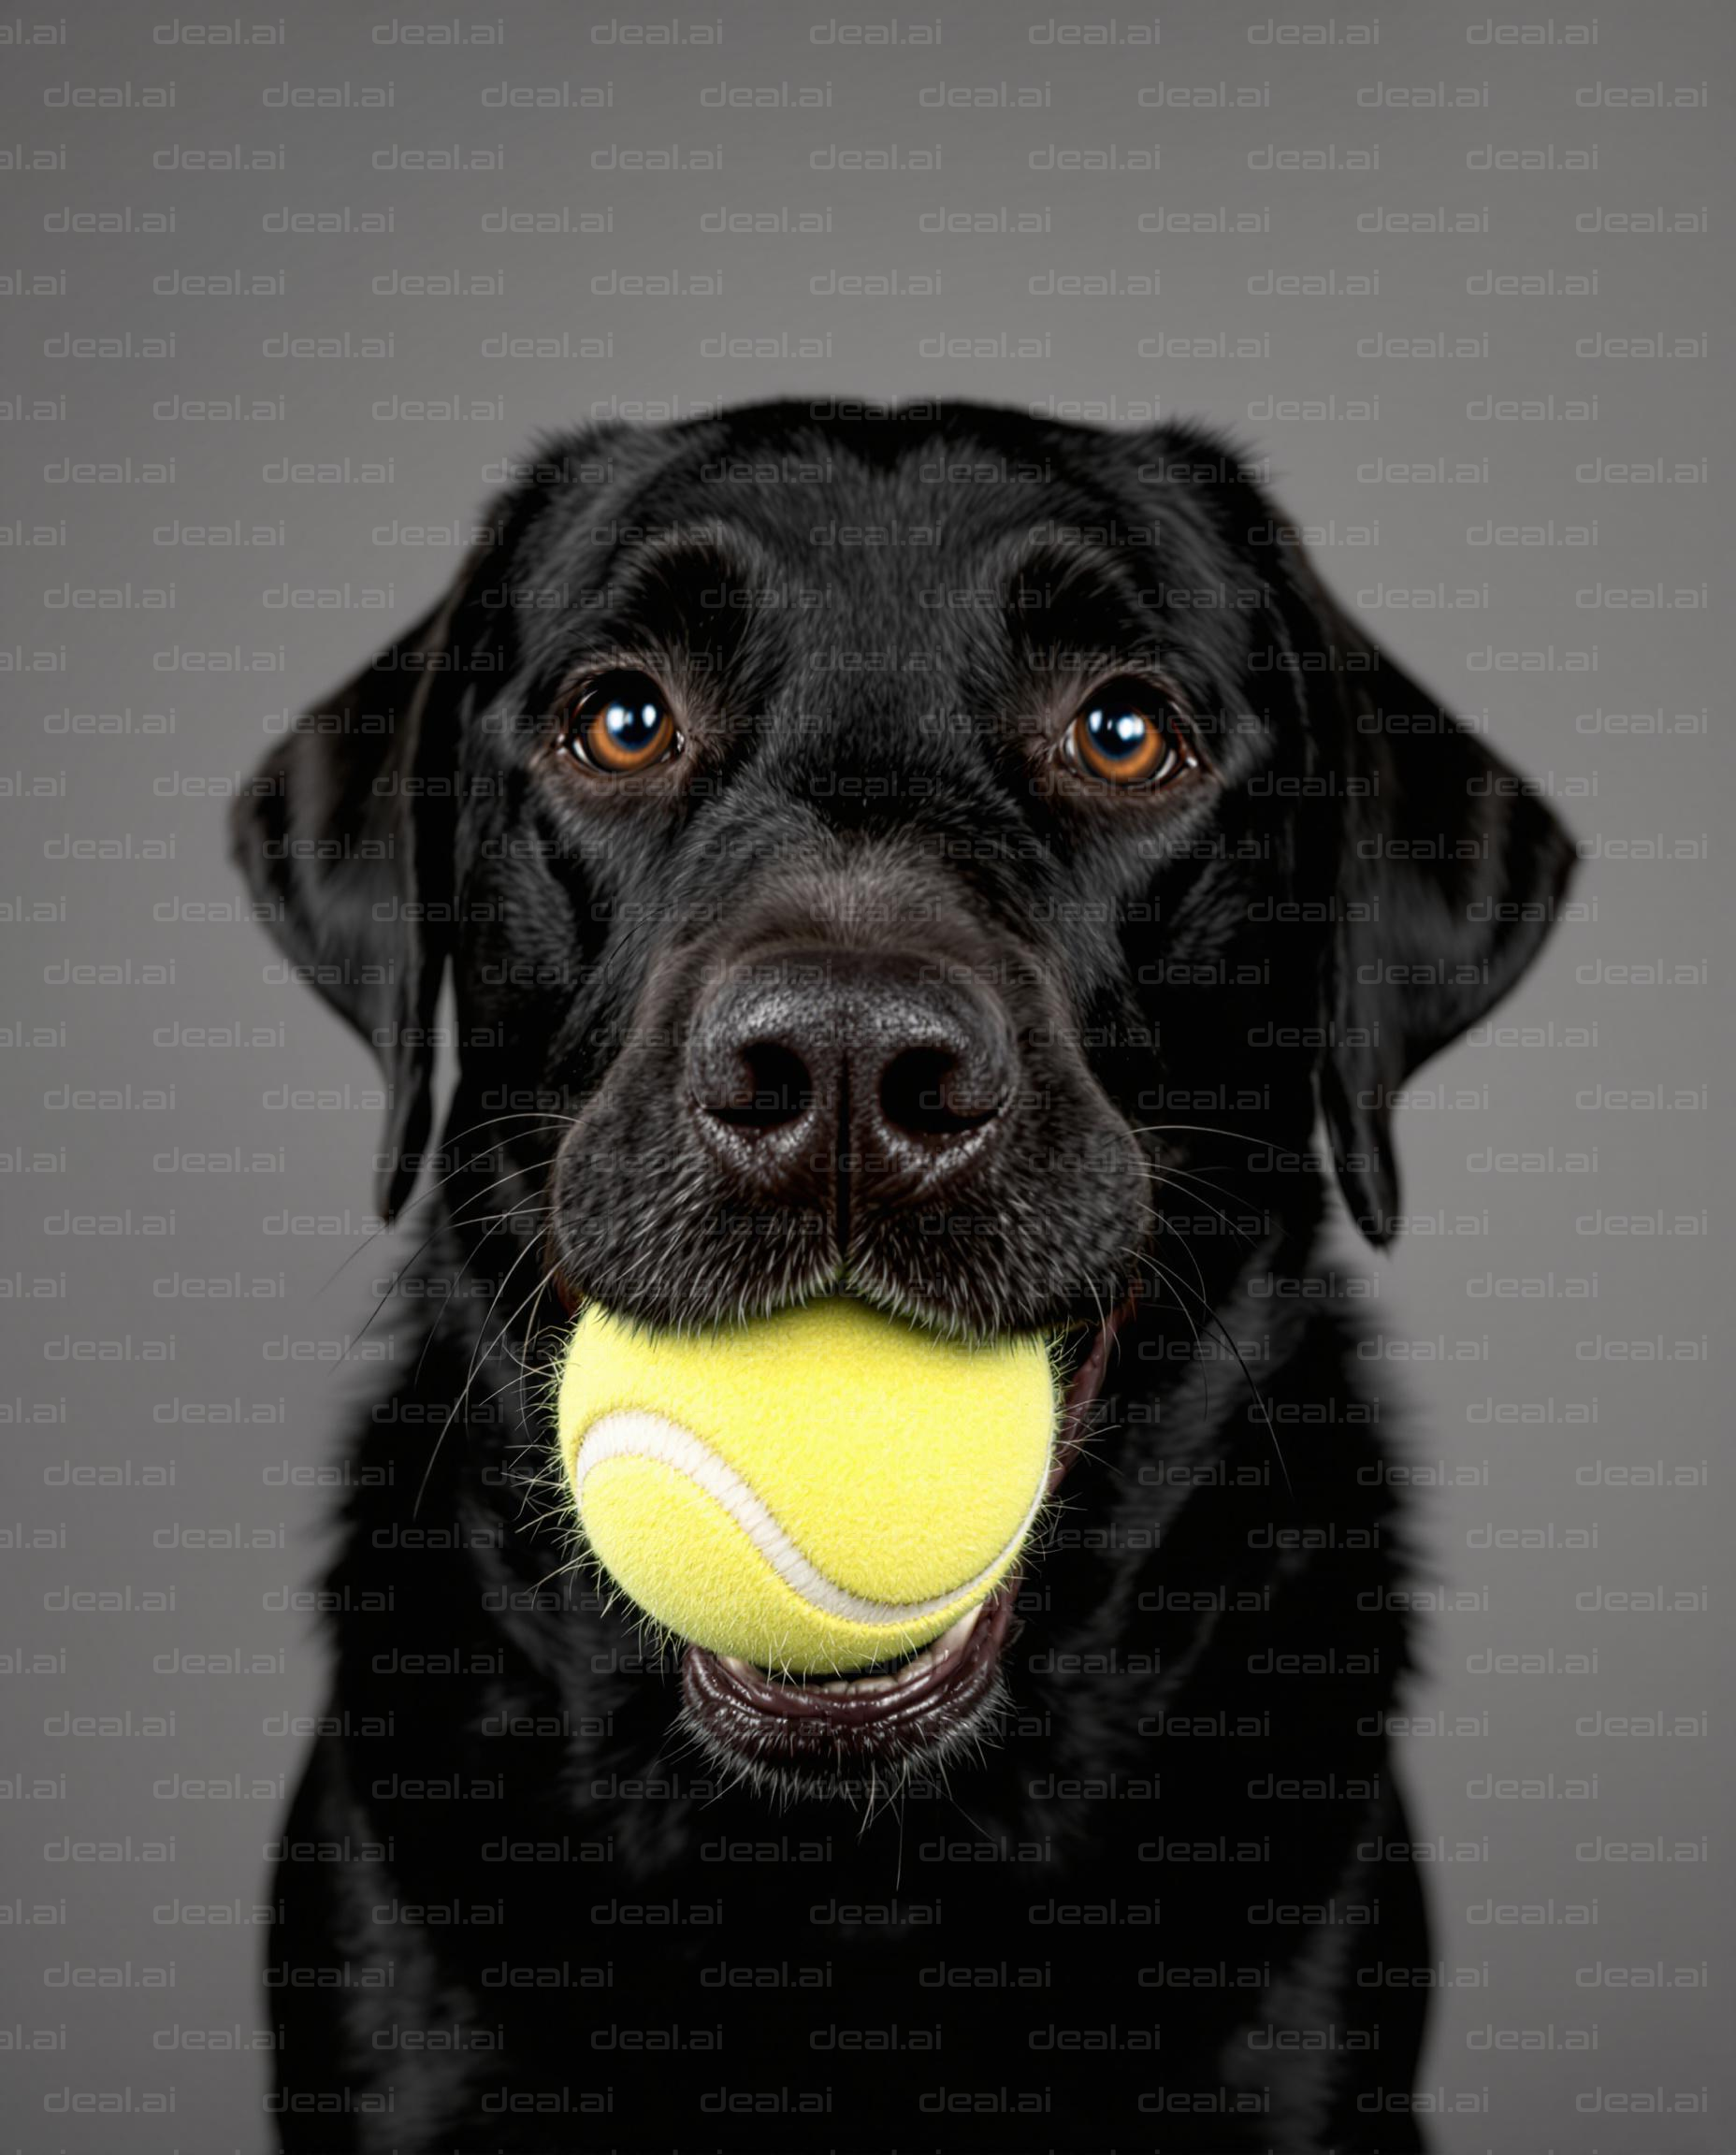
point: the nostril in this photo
(768, 1087)
(933, 1092)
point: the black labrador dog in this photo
(962, 861)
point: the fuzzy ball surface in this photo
(813, 1491)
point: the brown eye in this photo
(1127, 733)
(622, 724)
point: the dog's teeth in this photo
(938, 1649)
(849, 1686)
(949, 1641)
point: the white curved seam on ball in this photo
(633, 1433)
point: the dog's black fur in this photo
(1164, 1899)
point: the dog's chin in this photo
(860, 1737)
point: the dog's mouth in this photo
(876, 1726)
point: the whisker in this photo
(458, 1404)
(433, 1191)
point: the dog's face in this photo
(948, 858)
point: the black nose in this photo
(845, 1077)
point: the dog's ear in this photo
(1450, 870)
(345, 835)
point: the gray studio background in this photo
(1511, 439)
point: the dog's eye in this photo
(621, 724)
(1127, 733)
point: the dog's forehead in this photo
(931, 530)
(816, 509)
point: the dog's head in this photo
(943, 856)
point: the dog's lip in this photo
(783, 1716)
(943, 1670)
(1082, 1389)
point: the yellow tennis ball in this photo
(811, 1491)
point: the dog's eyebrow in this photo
(1068, 597)
(681, 586)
